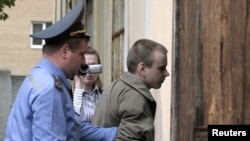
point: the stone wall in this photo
(5, 96)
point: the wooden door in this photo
(212, 65)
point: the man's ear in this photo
(141, 68)
(64, 49)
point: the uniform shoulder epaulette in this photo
(58, 83)
(34, 82)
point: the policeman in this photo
(43, 109)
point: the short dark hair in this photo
(143, 51)
(73, 44)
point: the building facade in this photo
(114, 25)
(19, 53)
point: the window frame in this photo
(44, 26)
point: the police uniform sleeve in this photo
(91, 132)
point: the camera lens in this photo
(84, 69)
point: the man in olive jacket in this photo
(127, 103)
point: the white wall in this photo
(152, 19)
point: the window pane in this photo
(36, 28)
(48, 24)
(37, 41)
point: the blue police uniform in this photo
(43, 109)
(37, 113)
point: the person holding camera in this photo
(43, 108)
(88, 86)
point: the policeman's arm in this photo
(91, 132)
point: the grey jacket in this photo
(128, 104)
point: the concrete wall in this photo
(5, 96)
(152, 19)
(161, 30)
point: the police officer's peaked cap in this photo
(70, 26)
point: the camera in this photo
(94, 68)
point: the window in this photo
(36, 27)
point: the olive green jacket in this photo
(129, 105)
